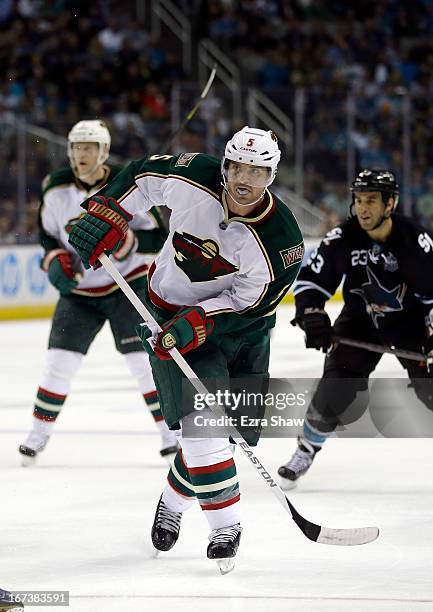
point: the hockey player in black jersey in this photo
(387, 264)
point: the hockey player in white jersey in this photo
(88, 299)
(233, 251)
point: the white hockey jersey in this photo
(236, 267)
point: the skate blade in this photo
(155, 553)
(226, 565)
(288, 485)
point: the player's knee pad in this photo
(139, 366)
(60, 368)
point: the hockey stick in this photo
(167, 146)
(378, 348)
(316, 533)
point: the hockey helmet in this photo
(90, 131)
(382, 181)
(255, 147)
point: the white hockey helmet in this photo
(92, 130)
(254, 147)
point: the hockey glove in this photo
(58, 265)
(187, 330)
(100, 230)
(317, 327)
(125, 247)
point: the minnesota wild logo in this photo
(199, 258)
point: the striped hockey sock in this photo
(217, 490)
(178, 494)
(48, 405)
(152, 403)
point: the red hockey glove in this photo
(187, 330)
(100, 230)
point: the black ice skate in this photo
(298, 465)
(8, 603)
(224, 544)
(165, 528)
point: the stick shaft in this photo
(378, 348)
(167, 146)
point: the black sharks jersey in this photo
(391, 282)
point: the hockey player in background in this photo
(387, 264)
(233, 251)
(88, 299)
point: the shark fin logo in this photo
(199, 258)
(378, 299)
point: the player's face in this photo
(369, 209)
(85, 156)
(246, 183)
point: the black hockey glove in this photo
(317, 327)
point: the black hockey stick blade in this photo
(336, 537)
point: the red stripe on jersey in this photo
(209, 469)
(154, 297)
(224, 504)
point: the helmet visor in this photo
(246, 174)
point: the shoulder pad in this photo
(58, 178)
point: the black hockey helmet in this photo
(377, 180)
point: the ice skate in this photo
(165, 528)
(298, 465)
(223, 546)
(169, 445)
(35, 443)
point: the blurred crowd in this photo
(63, 60)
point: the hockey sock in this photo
(42, 427)
(139, 366)
(212, 472)
(313, 436)
(48, 405)
(178, 494)
(152, 403)
(61, 366)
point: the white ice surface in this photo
(80, 520)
